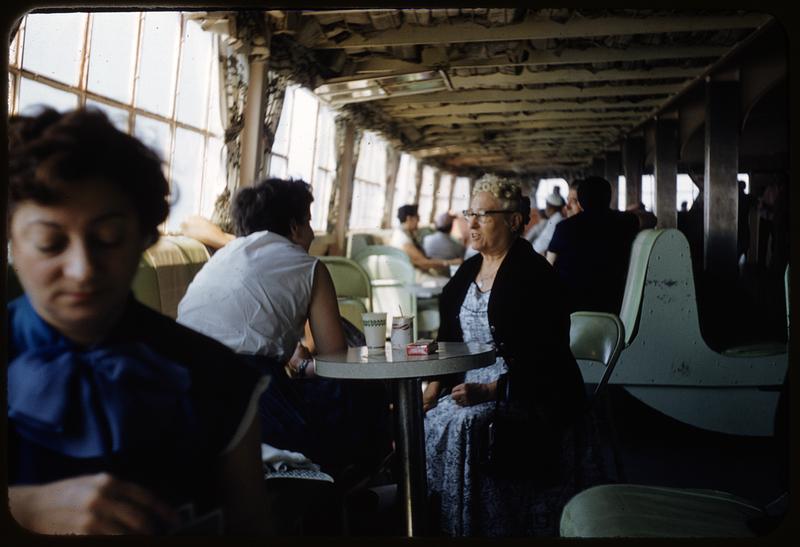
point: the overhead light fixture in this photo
(383, 87)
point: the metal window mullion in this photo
(173, 122)
(136, 71)
(83, 75)
(314, 151)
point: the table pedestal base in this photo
(410, 429)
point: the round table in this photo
(406, 373)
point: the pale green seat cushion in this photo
(351, 309)
(629, 510)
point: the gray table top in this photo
(361, 363)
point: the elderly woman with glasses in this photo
(492, 299)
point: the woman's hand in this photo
(301, 364)
(430, 397)
(473, 394)
(90, 504)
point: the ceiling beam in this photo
(571, 75)
(599, 54)
(474, 147)
(538, 27)
(554, 92)
(493, 118)
(520, 106)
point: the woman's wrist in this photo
(306, 368)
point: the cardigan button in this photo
(491, 328)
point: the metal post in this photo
(392, 167)
(411, 450)
(721, 188)
(613, 161)
(633, 158)
(437, 179)
(254, 109)
(666, 173)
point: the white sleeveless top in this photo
(253, 295)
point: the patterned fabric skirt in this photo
(467, 499)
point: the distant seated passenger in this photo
(405, 238)
(553, 213)
(647, 220)
(439, 244)
(117, 416)
(257, 295)
(590, 250)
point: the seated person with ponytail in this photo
(117, 416)
(256, 295)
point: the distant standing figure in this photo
(439, 244)
(553, 213)
(684, 206)
(590, 250)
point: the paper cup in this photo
(402, 329)
(374, 329)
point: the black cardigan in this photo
(529, 321)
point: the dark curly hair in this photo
(51, 152)
(405, 211)
(272, 204)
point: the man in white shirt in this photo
(553, 213)
(439, 244)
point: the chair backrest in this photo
(597, 336)
(385, 262)
(165, 271)
(349, 279)
(358, 241)
(634, 283)
(351, 309)
(390, 271)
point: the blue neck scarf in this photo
(90, 402)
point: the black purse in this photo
(520, 441)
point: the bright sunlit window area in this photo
(151, 73)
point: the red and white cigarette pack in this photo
(423, 346)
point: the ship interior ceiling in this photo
(523, 92)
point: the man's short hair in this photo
(405, 211)
(594, 193)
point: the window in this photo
(648, 191)
(461, 194)
(369, 183)
(547, 187)
(687, 191)
(305, 148)
(153, 73)
(405, 185)
(425, 200)
(443, 195)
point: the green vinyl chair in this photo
(390, 272)
(598, 337)
(350, 280)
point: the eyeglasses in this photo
(482, 216)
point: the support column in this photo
(452, 191)
(392, 167)
(613, 170)
(345, 169)
(418, 181)
(721, 189)
(252, 132)
(437, 179)
(633, 159)
(666, 173)
(598, 167)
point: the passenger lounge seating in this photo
(353, 289)
(666, 363)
